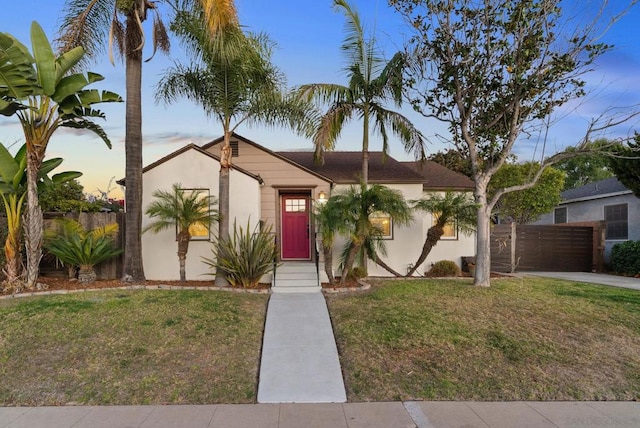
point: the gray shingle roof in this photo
(440, 177)
(594, 190)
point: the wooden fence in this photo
(109, 269)
(560, 248)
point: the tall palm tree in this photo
(236, 83)
(183, 209)
(453, 207)
(330, 219)
(372, 83)
(87, 23)
(356, 206)
(40, 91)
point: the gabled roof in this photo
(596, 190)
(346, 167)
(272, 153)
(438, 177)
(182, 150)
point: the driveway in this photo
(592, 278)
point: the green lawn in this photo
(131, 347)
(521, 339)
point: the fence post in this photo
(514, 232)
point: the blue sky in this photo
(309, 34)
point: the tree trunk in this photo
(87, 275)
(386, 267)
(433, 236)
(223, 202)
(133, 268)
(348, 263)
(13, 243)
(183, 248)
(33, 227)
(327, 251)
(365, 148)
(483, 239)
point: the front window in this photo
(450, 228)
(383, 223)
(616, 217)
(560, 215)
(199, 231)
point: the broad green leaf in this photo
(67, 60)
(91, 126)
(45, 59)
(68, 86)
(17, 179)
(8, 165)
(63, 177)
(48, 166)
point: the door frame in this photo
(307, 195)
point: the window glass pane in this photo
(450, 229)
(198, 231)
(616, 217)
(560, 215)
(383, 223)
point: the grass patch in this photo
(133, 347)
(520, 339)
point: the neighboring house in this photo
(281, 189)
(607, 200)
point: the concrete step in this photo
(297, 283)
(296, 289)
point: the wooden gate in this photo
(544, 248)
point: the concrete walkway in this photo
(421, 414)
(592, 278)
(299, 361)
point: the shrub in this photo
(356, 273)
(444, 268)
(625, 258)
(75, 246)
(245, 256)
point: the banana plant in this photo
(13, 184)
(43, 92)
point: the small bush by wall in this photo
(444, 268)
(625, 258)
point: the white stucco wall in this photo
(406, 245)
(192, 169)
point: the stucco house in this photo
(281, 189)
(607, 200)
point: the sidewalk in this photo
(421, 414)
(592, 278)
(299, 361)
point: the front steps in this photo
(296, 277)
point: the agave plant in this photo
(75, 246)
(246, 256)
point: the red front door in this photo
(295, 227)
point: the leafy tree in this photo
(92, 23)
(525, 206)
(74, 245)
(586, 168)
(56, 198)
(454, 160)
(234, 80)
(13, 185)
(40, 91)
(184, 210)
(372, 83)
(625, 164)
(492, 71)
(356, 206)
(452, 207)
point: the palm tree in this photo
(13, 183)
(78, 247)
(41, 93)
(184, 209)
(235, 82)
(87, 23)
(372, 83)
(356, 206)
(453, 207)
(330, 219)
